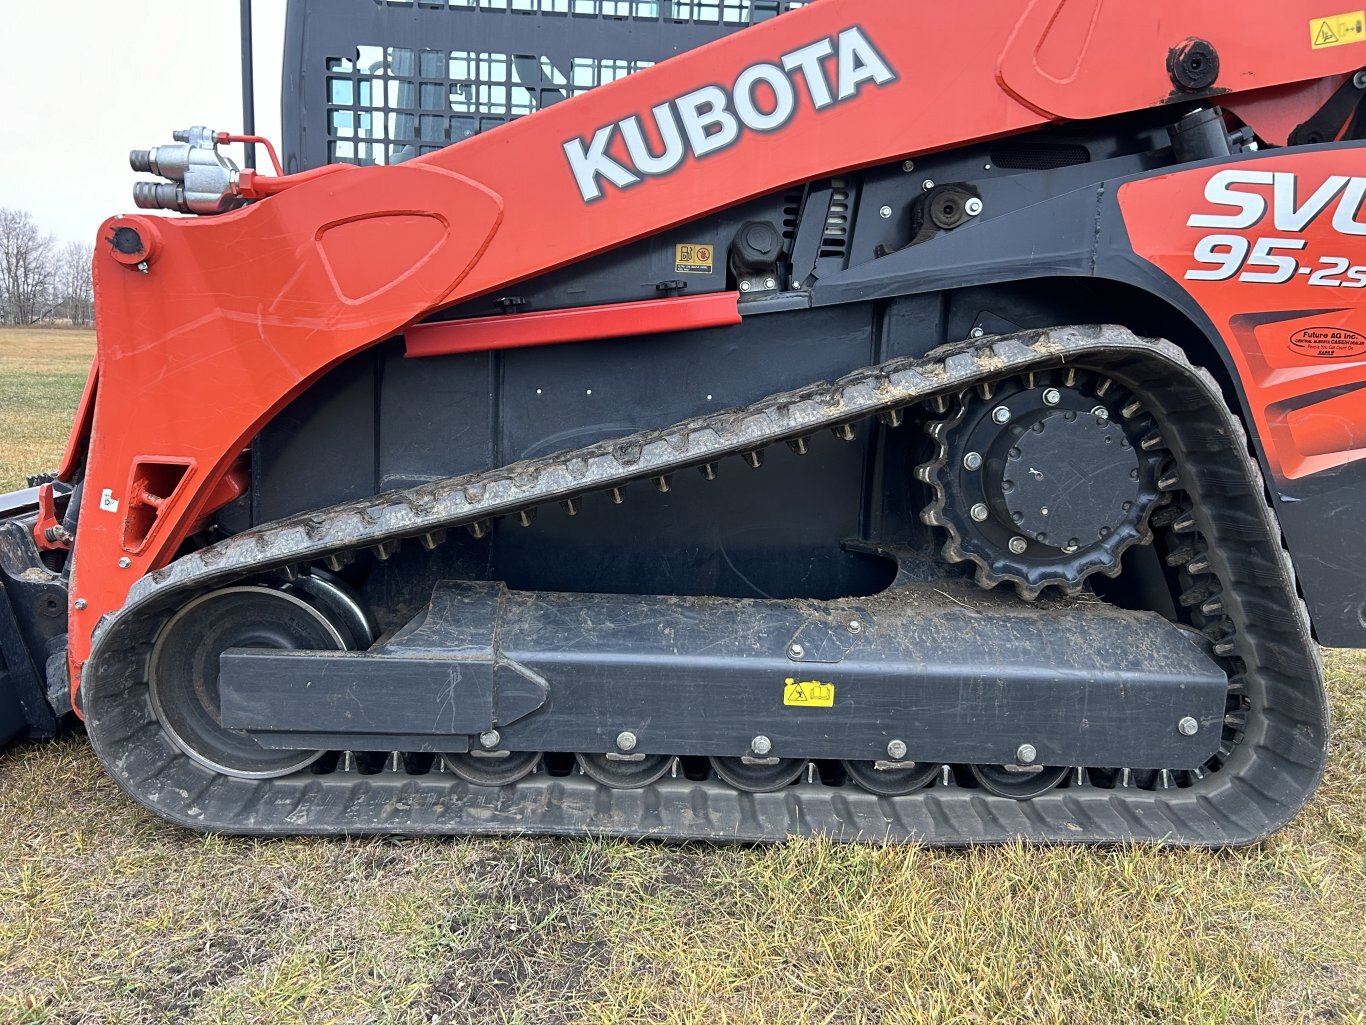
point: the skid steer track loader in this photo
(728, 419)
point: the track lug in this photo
(845, 432)
(386, 549)
(526, 517)
(1169, 481)
(1199, 564)
(616, 495)
(479, 529)
(799, 446)
(1226, 648)
(336, 563)
(664, 483)
(1150, 442)
(1213, 607)
(893, 417)
(1186, 524)
(570, 506)
(708, 471)
(1181, 556)
(754, 458)
(433, 540)
(946, 776)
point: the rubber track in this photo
(1266, 776)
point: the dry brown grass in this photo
(110, 916)
(42, 373)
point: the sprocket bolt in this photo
(972, 461)
(1019, 545)
(980, 512)
(1000, 415)
(1051, 397)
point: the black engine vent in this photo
(1038, 156)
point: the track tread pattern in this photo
(1249, 796)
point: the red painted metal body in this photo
(1297, 333)
(551, 327)
(223, 320)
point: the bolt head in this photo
(125, 562)
(1188, 727)
(761, 745)
(972, 461)
(908, 165)
(1359, 80)
(973, 207)
(1100, 412)
(744, 286)
(626, 741)
(796, 651)
(490, 739)
(770, 283)
(1051, 396)
(896, 750)
(80, 603)
(1025, 754)
(977, 332)
(980, 512)
(886, 213)
(1000, 415)
(855, 627)
(927, 184)
(1019, 545)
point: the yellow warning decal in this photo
(694, 259)
(809, 694)
(1339, 30)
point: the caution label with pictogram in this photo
(1339, 30)
(694, 259)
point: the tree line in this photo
(42, 281)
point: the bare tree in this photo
(27, 260)
(73, 287)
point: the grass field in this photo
(110, 916)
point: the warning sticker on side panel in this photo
(1339, 30)
(809, 693)
(695, 259)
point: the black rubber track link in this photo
(1274, 743)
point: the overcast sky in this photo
(85, 81)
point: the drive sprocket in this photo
(1044, 479)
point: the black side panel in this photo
(381, 81)
(381, 422)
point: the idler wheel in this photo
(624, 773)
(890, 779)
(1018, 782)
(759, 777)
(493, 769)
(183, 673)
